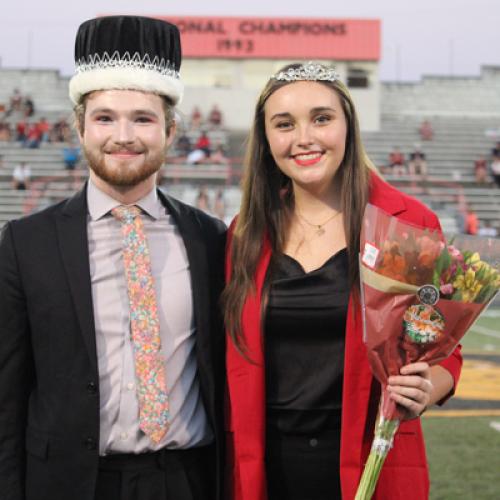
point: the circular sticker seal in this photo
(428, 294)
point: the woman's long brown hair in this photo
(267, 203)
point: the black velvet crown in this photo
(127, 52)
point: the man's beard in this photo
(126, 176)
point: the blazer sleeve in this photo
(16, 370)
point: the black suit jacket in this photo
(49, 383)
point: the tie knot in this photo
(126, 213)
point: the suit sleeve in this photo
(16, 371)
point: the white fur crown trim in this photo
(125, 73)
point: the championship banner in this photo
(278, 38)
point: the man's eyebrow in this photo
(139, 111)
(101, 110)
(149, 112)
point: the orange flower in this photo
(393, 266)
(426, 259)
(429, 251)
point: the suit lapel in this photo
(190, 231)
(71, 226)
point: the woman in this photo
(302, 400)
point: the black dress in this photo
(304, 353)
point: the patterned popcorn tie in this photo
(144, 325)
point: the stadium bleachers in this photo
(464, 112)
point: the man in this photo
(111, 348)
(417, 164)
(495, 163)
(396, 162)
(71, 156)
(21, 177)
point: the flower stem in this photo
(382, 443)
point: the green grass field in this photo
(478, 339)
(464, 453)
(464, 458)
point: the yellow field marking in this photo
(461, 413)
(480, 380)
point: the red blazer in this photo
(405, 473)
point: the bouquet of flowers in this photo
(420, 295)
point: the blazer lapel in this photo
(73, 244)
(386, 197)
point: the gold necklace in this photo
(320, 231)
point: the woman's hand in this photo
(412, 389)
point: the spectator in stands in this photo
(425, 130)
(21, 177)
(220, 205)
(21, 130)
(201, 151)
(5, 133)
(203, 143)
(199, 156)
(196, 118)
(481, 170)
(495, 163)
(183, 145)
(218, 157)
(203, 200)
(196, 157)
(33, 136)
(417, 164)
(60, 131)
(215, 117)
(495, 152)
(43, 129)
(66, 131)
(487, 230)
(15, 102)
(71, 157)
(471, 222)
(396, 162)
(29, 107)
(461, 211)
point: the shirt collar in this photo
(100, 204)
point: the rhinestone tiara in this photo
(309, 71)
(117, 60)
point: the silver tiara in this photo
(310, 71)
(98, 61)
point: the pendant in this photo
(320, 231)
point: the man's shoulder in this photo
(41, 219)
(206, 222)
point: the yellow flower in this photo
(468, 285)
(473, 259)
